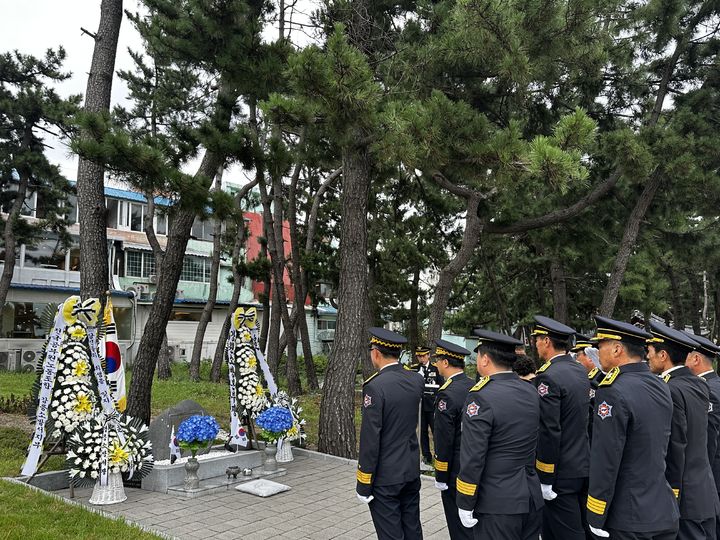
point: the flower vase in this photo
(191, 478)
(112, 493)
(284, 452)
(270, 464)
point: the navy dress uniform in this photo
(449, 408)
(710, 350)
(563, 451)
(389, 461)
(433, 381)
(497, 478)
(628, 494)
(687, 464)
(595, 376)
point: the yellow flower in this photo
(293, 431)
(259, 391)
(83, 404)
(78, 333)
(81, 368)
(118, 455)
(252, 362)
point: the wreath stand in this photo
(57, 449)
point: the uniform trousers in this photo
(508, 526)
(691, 529)
(562, 518)
(395, 511)
(657, 535)
(426, 422)
(455, 527)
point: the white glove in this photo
(363, 499)
(547, 492)
(599, 532)
(442, 486)
(467, 519)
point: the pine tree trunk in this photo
(172, 263)
(9, 232)
(94, 276)
(677, 305)
(413, 333)
(164, 361)
(336, 427)
(443, 289)
(207, 311)
(695, 310)
(237, 285)
(557, 277)
(273, 343)
(627, 244)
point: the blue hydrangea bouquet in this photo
(197, 432)
(274, 423)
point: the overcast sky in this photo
(33, 26)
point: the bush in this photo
(15, 405)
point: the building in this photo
(49, 272)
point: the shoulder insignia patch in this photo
(370, 378)
(610, 377)
(593, 372)
(472, 409)
(442, 405)
(367, 401)
(444, 386)
(543, 389)
(543, 367)
(604, 410)
(482, 382)
(667, 378)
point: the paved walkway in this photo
(321, 506)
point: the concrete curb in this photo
(92, 509)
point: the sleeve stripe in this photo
(466, 488)
(544, 467)
(596, 506)
(364, 478)
(441, 466)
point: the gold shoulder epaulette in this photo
(413, 366)
(592, 373)
(406, 367)
(666, 378)
(482, 382)
(543, 367)
(444, 386)
(370, 378)
(610, 377)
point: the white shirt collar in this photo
(554, 357)
(386, 365)
(705, 373)
(670, 370)
(508, 371)
(458, 373)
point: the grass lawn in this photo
(27, 513)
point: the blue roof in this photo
(134, 196)
(326, 310)
(61, 289)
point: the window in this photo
(49, 252)
(19, 320)
(203, 230)
(185, 315)
(71, 211)
(161, 223)
(136, 217)
(195, 269)
(28, 207)
(326, 324)
(113, 213)
(123, 322)
(139, 263)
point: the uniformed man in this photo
(498, 490)
(629, 498)
(449, 408)
(433, 381)
(687, 463)
(700, 362)
(587, 355)
(563, 450)
(388, 476)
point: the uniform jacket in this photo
(497, 448)
(714, 426)
(449, 408)
(563, 449)
(388, 441)
(631, 429)
(687, 465)
(595, 376)
(433, 382)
